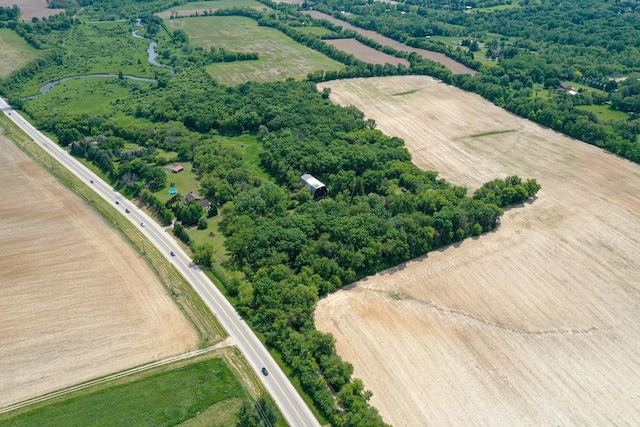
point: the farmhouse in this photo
(203, 202)
(317, 189)
(177, 169)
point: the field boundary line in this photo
(118, 375)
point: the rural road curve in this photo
(293, 408)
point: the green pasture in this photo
(604, 113)
(94, 95)
(279, 56)
(217, 4)
(14, 51)
(165, 397)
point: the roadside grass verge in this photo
(279, 55)
(167, 395)
(205, 323)
(14, 51)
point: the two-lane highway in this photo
(291, 405)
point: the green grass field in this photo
(280, 56)
(165, 397)
(217, 4)
(14, 51)
(77, 96)
(604, 112)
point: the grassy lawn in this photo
(14, 51)
(216, 240)
(165, 397)
(577, 86)
(250, 149)
(217, 4)
(604, 112)
(92, 96)
(280, 56)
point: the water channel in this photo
(151, 50)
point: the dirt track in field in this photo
(455, 66)
(76, 302)
(365, 53)
(536, 323)
(31, 8)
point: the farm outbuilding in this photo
(177, 169)
(317, 189)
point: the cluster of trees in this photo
(627, 97)
(9, 13)
(164, 215)
(99, 156)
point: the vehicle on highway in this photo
(173, 253)
(117, 202)
(91, 181)
(127, 210)
(142, 224)
(264, 371)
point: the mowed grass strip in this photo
(164, 398)
(279, 56)
(14, 51)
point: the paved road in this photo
(291, 405)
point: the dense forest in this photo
(290, 249)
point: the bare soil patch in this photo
(536, 323)
(167, 14)
(365, 53)
(31, 8)
(76, 302)
(455, 66)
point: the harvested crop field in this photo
(365, 53)
(76, 302)
(536, 323)
(455, 66)
(31, 8)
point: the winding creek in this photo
(151, 50)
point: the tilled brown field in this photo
(31, 8)
(366, 53)
(536, 323)
(76, 302)
(455, 66)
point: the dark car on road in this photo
(264, 371)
